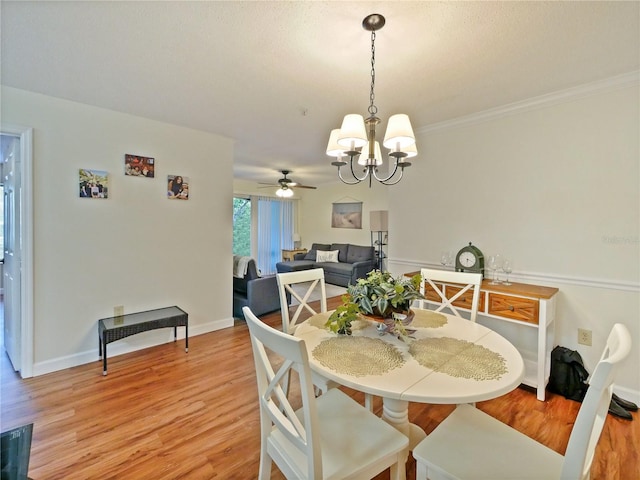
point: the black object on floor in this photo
(569, 378)
(626, 404)
(618, 411)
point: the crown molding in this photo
(609, 84)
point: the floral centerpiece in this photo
(379, 295)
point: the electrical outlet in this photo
(584, 337)
(118, 310)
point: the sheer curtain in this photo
(275, 231)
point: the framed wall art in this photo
(177, 187)
(138, 166)
(93, 183)
(347, 215)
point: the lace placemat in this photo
(428, 319)
(358, 356)
(458, 358)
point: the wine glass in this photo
(507, 267)
(495, 263)
(446, 258)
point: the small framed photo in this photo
(138, 166)
(93, 183)
(177, 187)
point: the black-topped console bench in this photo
(115, 328)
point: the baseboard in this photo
(126, 345)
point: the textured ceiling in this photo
(278, 76)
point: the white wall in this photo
(136, 248)
(315, 206)
(555, 187)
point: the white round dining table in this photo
(483, 365)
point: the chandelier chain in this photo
(372, 96)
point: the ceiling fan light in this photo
(364, 155)
(353, 133)
(399, 134)
(334, 149)
(284, 192)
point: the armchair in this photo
(258, 293)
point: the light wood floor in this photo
(165, 414)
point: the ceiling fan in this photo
(285, 184)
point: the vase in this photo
(389, 321)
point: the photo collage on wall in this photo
(94, 183)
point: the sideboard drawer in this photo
(464, 300)
(517, 308)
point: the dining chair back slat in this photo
(436, 280)
(314, 281)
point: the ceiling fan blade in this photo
(306, 186)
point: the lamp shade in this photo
(364, 155)
(296, 237)
(334, 149)
(353, 133)
(411, 151)
(379, 220)
(399, 134)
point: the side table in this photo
(287, 255)
(115, 328)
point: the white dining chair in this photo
(313, 280)
(330, 436)
(465, 281)
(471, 445)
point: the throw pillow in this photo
(328, 257)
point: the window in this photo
(242, 226)
(262, 228)
(275, 231)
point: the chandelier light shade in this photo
(399, 133)
(411, 151)
(364, 157)
(353, 133)
(356, 138)
(334, 149)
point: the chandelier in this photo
(356, 138)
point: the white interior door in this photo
(12, 257)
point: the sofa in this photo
(343, 263)
(251, 290)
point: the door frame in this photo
(26, 243)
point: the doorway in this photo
(17, 270)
